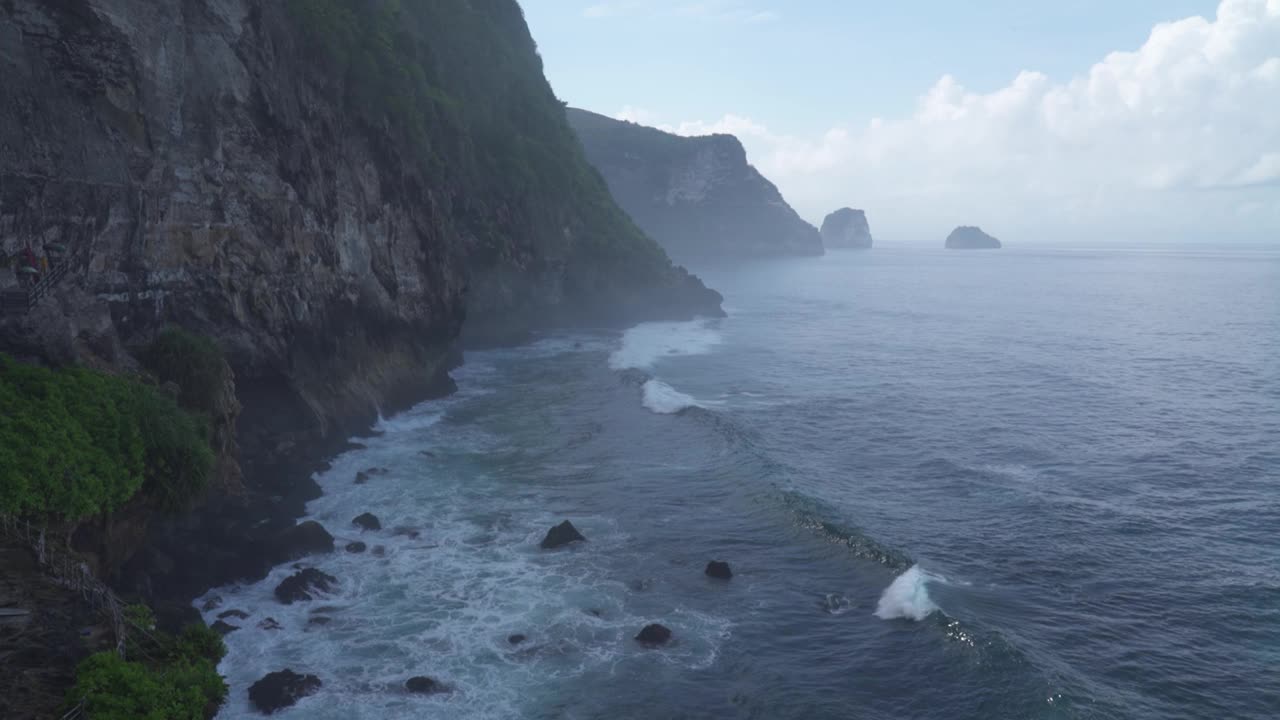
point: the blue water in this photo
(1014, 484)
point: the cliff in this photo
(696, 196)
(968, 237)
(326, 188)
(335, 191)
(846, 228)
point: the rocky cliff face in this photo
(331, 189)
(968, 237)
(697, 196)
(225, 165)
(846, 228)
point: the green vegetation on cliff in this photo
(460, 83)
(76, 443)
(177, 679)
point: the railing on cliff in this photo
(72, 573)
(24, 301)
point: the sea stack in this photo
(846, 228)
(969, 237)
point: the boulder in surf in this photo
(719, 570)
(654, 635)
(282, 689)
(367, 521)
(561, 535)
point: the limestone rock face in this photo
(697, 196)
(200, 160)
(206, 165)
(846, 228)
(968, 237)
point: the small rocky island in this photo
(969, 237)
(846, 228)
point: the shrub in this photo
(193, 362)
(180, 684)
(75, 443)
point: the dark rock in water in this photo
(408, 532)
(362, 477)
(641, 584)
(561, 535)
(213, 603)
(423, 685)
(968, 237)
(379, 551)
(270, 624)
(367, 521)
(301, 540)
(846, 228)
(719, 569)
(237, 614)
(318, 621)
(356, 547)
(223, 628)
(516, 639)
(654, 635)
(279, 690)
(299, 586)
(377, 471)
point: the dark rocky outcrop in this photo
(846, 228)
(301, 540)
(697, 196)
(223, 628)
(282, 689)
(561, 535)
(422, 685)
(367, 521)
(654, 635)
(300, 586)
(719, 569)
(516, 639)
(968, 237)
(356, 547)
(237, 614)
(270, 624)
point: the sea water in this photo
(1014, 484)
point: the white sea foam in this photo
(907, 597)
(443, 603)
(644, 344)
(666, 400)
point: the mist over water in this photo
(1026, 484)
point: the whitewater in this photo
(945, 492)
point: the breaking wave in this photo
(645, 343)
(907, 597)
(666, 400)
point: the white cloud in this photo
(1179, 135)
(735, 11)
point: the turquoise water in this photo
(1018, 484)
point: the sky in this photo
(1093, 120)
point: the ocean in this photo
(1027, 483)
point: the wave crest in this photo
(645, 343)
(666, 400)
(907, 597)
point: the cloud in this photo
(733, 11)
(1181, 133)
